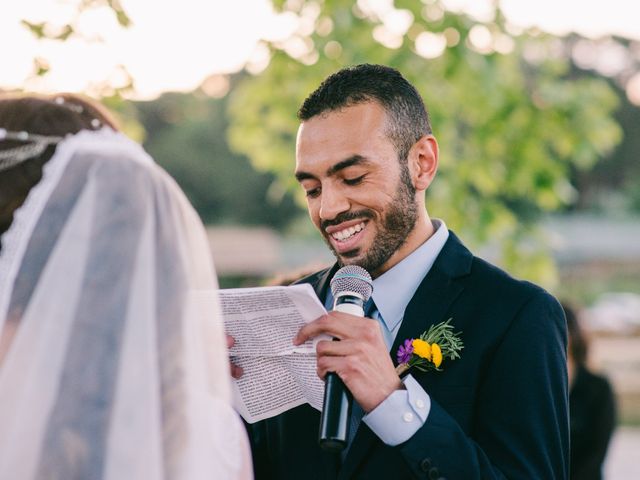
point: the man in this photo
(365, 157)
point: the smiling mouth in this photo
(347, 233)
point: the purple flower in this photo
(405, 351)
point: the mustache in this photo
(346, 217)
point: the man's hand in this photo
(360, 358)
(236, 371)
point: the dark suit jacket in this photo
(498, 412)
(593, 417)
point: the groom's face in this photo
(359, 195)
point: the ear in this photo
(423, 162)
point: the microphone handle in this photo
(336, 405)
(336, 411)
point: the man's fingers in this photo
(236, 371)
(336, 324)
(340, 348)
(312, 329)
(330, 364)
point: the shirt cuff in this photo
(401, 414)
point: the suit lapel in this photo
(429, 305)
(436, 293)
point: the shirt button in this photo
(407, 417)
(420, 403)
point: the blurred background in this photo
(536, 106)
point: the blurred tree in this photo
(513, 120)
(612, 185)
(110, 91)
(509, 121)
(185, 133)
(68, 28)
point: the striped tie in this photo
(370, 311)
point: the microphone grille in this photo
(352, 278)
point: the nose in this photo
(332, 203)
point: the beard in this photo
(395, 226)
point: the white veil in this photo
(118, 366)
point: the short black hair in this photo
(407, 116)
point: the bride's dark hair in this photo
(56, 115)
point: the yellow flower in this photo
(437, 354)
(421, 348)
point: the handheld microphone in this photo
(351, 287)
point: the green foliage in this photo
(186, 135)
(612, 186)
(64, 31)
(69, 28)
(510, 125)
(121, 16)
(448, 340)
(40, 67)
(126, 115)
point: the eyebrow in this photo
(341, 165)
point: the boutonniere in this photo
(427, 352)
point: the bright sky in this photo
(175, 45)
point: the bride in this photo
(113, 361)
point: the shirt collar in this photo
(393, 290)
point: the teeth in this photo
(347, 232)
